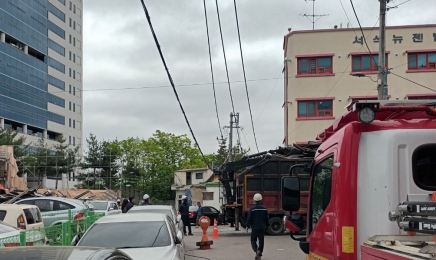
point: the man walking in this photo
(258, 221)
(146, 199)
(130, 204)
(184, 212)
(199, 213)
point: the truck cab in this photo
(378, 155)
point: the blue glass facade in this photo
(24, 76)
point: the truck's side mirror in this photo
(290, 193)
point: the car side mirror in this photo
(179, 218)
(179, 237)
(75, 240)
(290, 193)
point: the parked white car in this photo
(169, 210)
(21, 216)
(143, 235)
(105, 206)
(10, 236)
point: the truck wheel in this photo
(276, 226)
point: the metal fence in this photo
(57, 235)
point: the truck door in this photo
(321, 214)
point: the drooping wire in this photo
(172, 82)
(243, 71)
(224, 53)
(211, 69)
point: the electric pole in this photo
(313, 15)
(382, 80)
(234, 123)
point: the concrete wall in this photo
(180, 176)
(341, 85)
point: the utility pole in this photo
(382, 80)
(234, 123)
(313, 15)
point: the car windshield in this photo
(5, 228)
(127, 235)
(99, 205)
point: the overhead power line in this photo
(245, 78)
(211, 69)
(416, 83)
(224, 53)
(171, 81)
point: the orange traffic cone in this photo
(215, 230)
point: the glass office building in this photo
(41, 68)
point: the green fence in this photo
(57, 235)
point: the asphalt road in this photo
(235, 245)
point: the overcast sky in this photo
(119, 52)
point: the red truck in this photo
(262, 172)
(372, 184)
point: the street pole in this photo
(382, 71)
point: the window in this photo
(366, 62)
(74, 25)
(74, 9)
(44, 205)
(188, 178)
(62, 206)
(421, 96)
(74, 74)
(70, 38)
(71, 5)
(69, 124)
(74, 57)
(424, 165)
(207, 195)
(74, 123)
(422, 61)
(321, 191)
(320, 65)
(70, 72)
(74, 141)
(74, 91)
(32, 216)
(70, 55)
(199, 176)
(71, 22)
(69, 140)
(74, 41)
(69, 106)
(74, 107)
(70, 89)
(315, 108)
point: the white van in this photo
(24, 217)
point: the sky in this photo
(120, 53)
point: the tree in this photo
(100, 164)
(222, 153)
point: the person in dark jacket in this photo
(184, 213)
(258, 220)
(124, 205)
(146, 199)
(130, 204)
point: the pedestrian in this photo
(124, 205)
(146, 199)
(199, 213)
(258, 221)
(130, 204)
(184, 213)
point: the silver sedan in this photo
(152, 235)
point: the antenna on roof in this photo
(313, 15)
